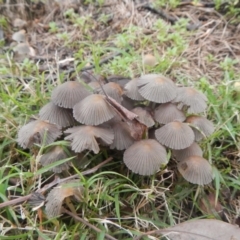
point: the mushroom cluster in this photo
(142, 119)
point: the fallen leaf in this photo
(203, 229)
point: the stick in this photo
(53, 183)
(107, 236)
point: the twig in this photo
(53, 183)
(107, 236)
(159, 12)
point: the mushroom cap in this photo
(149, 60)
(145, 157)
(57, 115)
(168, 112)
(68, 94)
(84, 137)
(144, 116)
(35, 131)
(58, 194)
(196, 169)
(113, 90)
(19, 36)
(55, 154)
(122, 135)
(157, 88)
(175, 135)
(193, 150)
(93, 110)
(205, 126)
(128, 103)
(195, 100)
(131, 90)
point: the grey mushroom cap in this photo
(55, 154)
(57, 115)
(193, 150)
(145, 157)
(85, 137)
(122, 135)
(131, 90)
(93, 110)
(56, 196)
(205, 126)
(113, 90)
(157, 88)
(38, 132)
(144, 116)
(68, 94)
(168, 112)
(196, 169)
(193, 99)
(175, 135)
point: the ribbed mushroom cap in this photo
(196, 170)
(56, 196)
(157, 88)
(196, 101)
(84, 137)
(55, 154)
(193, 150)
(113, 90)
(168, 112)
(68, 94)
(175, 135)
(145, 157)
(144, 116)
(131, 90)
(205, 126)
(122, 135)
(93, 110)
(57, 115)
(128, 103)
(37, 131)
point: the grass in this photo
(115, 200)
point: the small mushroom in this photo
(168, 112)
(144, 116)
(37, 132)
(194, 100)
(122, 135)
(131, 90)
(93, 110)
(193, 150)
(149, 60)
(175, 135)
(68, 94)
(19, 36)
(57, 195)
(85, 137)
(145, 157)
(157, 88)
(196, 169)
(55, 154)
(113, 90)
(57, 115)
(204, 127)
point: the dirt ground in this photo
(211, 35)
